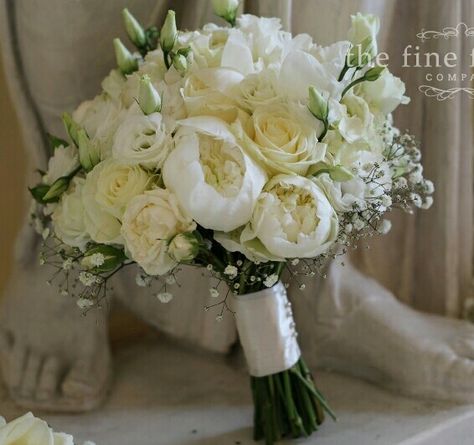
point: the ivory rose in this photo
(150, 221)
(282, 140)
(214, 180)
(68, 216)
(117, 184)
(29, 430)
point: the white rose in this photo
(363, 26)
(282, 139)
(142, 140)
(68, 216)
(150, 221)
(118, 183)
(212, 92)
(213, 179)
(386, 93)
(258, 89)
(102, 226)
(292, 219)
(29, 430)
(63, 162)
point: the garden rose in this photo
(150, 221)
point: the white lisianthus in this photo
(150, 221)
(102, 226)
(207, 46)
(29, 430)
(357, 122)
(142, 140)
(282, 139)
(117, 184)
(63, 162)
(100, 117)
(292, 219)
(212, 92)
(363, 26)
(386, 93)
(343, 195)
(214, 180)
(68, 216)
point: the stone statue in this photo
(53, 358)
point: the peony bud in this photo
(183, 247)
(148, 98)
(318, 105)
(125, 60)
(180, 63)
(134, 29)
(227, 9)
(169, 33)
(89, 154)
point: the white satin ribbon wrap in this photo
(267, 330)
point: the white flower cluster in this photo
(239, 139)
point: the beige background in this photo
(12, 174)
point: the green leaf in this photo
(55, 142)
(39, 192)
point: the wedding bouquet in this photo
(242, 150)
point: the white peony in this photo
(363, 26)
(384, 94)
(68, 216)
(29, 430)
(292, 219)
(102, 226)
(214, 180)
(117, 184)
(150, 221)
(63, 162)
(142, 140)
(282, 139)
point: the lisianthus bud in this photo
(183, 247)
(362, 53)
(148, 98)
(134, 30)
(125, 60)
(56, 189)
(169, 33)
(89, 154)
(72, 128)
(227, 9)
(317, 105)
(180, 63)
(374, 73)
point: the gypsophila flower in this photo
(384, 227)
(67, 264)
(64, 293)
(416, 199)
(231, 271)
(85, 303)
(142, 280)
(427, 203)
(88, 279)
(45, 233)
(236, 285)
(97, 259)
(302, 286)
(164, 297)
(270, 280)
(295, 261)
(359, 224)
(170, 279)
(209, 267)
(213, 292)
(239, 263)
(428, 186)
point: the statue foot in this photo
(359, 328)
(52, 357)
